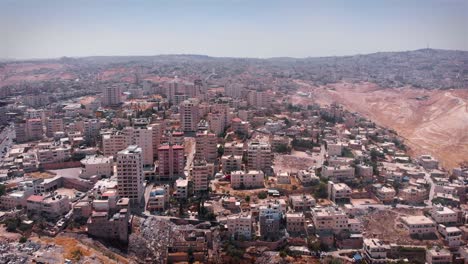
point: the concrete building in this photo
(375, 251)
(428, 162)
(54, 125)
(420, 225)
(250, 179)
(201, 173)
(189, 115)
(130, 174)
(111, 95)
(438, 256)
(259, 156)
(240, 226)
(181, 189)
(206, 147)
(329, 219)
(259, 99)
(29, 130)
(158, 198)
(143, 138)
(414, 194)
(444, 215)
(386, 194)
(339, 192)
(270, 216)
(301, 202)
(113, 143)
(48, 206)
(171, 162)
(53, 154)
(338, 173)
(239, 126)
(96, 165)
(231, 163)
(295, 222)
(233, 148)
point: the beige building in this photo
(375, 251)
(111, 95)
(338, 173)
(233, 148)
(53, 154)
(96, 165)
(181, 189)
(339, 192)
(438, 256)
(113, 143)
(206, 146)
(302, 202)
(158, 198)
(231, 163)
(171, 162)
(130, 174)
(189, 115)
(329, 219)
(48, 206)
(414, 194)
(201, 173)
(386, 194)
(247, 179)
(143, 138)
(259, 156)
(54, 125)
(240, 226)
(295, 222)
(444, 215)
(419, 224)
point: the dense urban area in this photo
(195, 159)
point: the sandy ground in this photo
(431, 121)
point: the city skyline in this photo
(51, 29)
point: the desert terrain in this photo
(430, 121)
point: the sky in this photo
(228, 28)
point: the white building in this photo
(189, 115)
(259, 156)
(249, 179)
(419, 225)
(96, 165)
(130, 174)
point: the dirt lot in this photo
(431, 121)
(387, 226)
(297, 160)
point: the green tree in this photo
(2, 189)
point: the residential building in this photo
(414, 194)
(48, 206)
(386, 194)
(143, 138)
(329, 219)
(270, 216)
(301, 202)
(375, 251)
(113, 143)
(181, 189)
(231, 163)
(240, 226)
(247, 179)
(189, 115)
(339, 192)
(54, 125)
(438, 256)
(338, 173)
(259, 156)
(234, 148)
(111, 95)
(96, 165)
(130, 174)
(206, 146)
(201, 173)
(420, 225)
(295, 222)
(171, 162)
(428, 162)
(444, 215)
(158, 198)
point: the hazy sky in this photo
(238, 28)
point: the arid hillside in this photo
(431, 121)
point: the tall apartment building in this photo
(113, 143)
(130, 174)
(29, 130)
(143, 138)
(157, 130)
(200, 173)
(171, 162)
(91, 129)
(259, 156)
(259, 99)
(54, 125)
(189, 115)
(206, 146)
(329, 219)
(111, 95)
(231, 163)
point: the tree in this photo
(321, 191)
(2, 189)
(247, 198)
(262, 195)
(23, 239)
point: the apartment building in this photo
(414, 194)
(301, 202)
(234, 148)
(444, 215)
(419, 225)
(189, 115)
(201, 173)
(29, 130)
(181, 189)
(259, 156)
(96, 165)
(54, 125)
(385, 194)
(143, 138)
(295, 222)
(240, 225)
(259, 99)
(329, 219)
(113, 143)
(438, 256)
(334, 148)
(270, 216)
(375, 250)
(171, 162)
(53, 154)
(158, 198)
(428, 162)
(339, 192)
(338, 173)
(48, 206)
(239, 126)
(112, 95)
(206, 146)
(231, 163)
(247, 179)
(130, 174)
